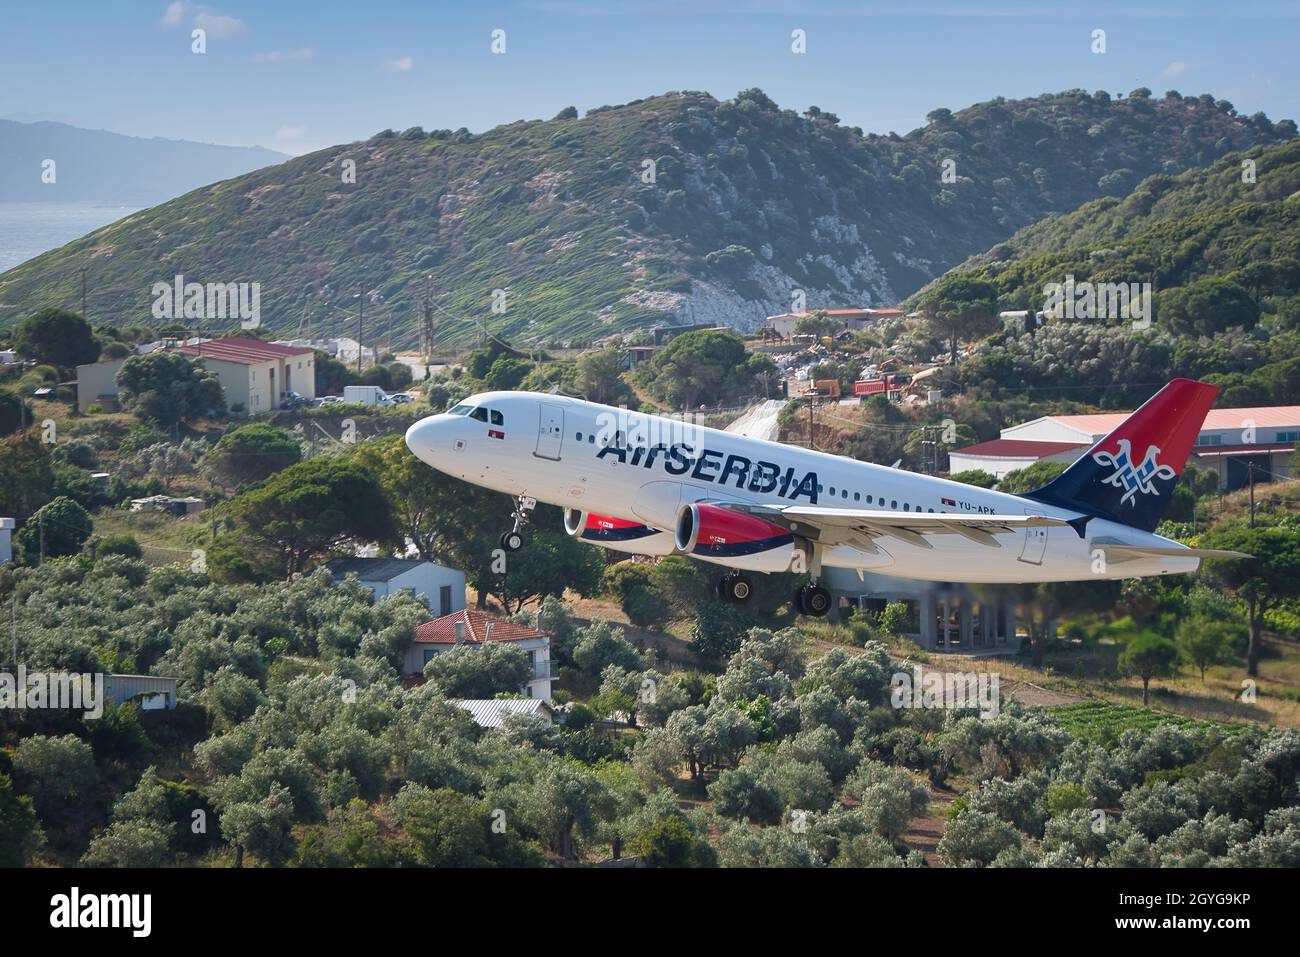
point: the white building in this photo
(474, 628)
(1230, 441)
(97, 384)
(442, 588)
(150, 692)
(254, 375)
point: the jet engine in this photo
(723, 536)
(617, 533)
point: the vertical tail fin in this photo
(1128, 475)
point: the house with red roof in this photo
(472, 628)
(255, 375)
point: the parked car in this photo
(327, 400)
(294, 400)
(401, 397)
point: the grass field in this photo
(1104, 720)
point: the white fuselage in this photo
(629, 465)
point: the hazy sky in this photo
(298, 76)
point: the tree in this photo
(667, 842)
(479, 671)
(165, 387)
(560, 805)
(57, 529)
(1270, 577)
(58, 773)
(600, 376)
(817, 324)
(707, 367)
(249, 454)
(549, 563)
(15, 413)
(1203, 642)
(960, 305)
(57, 337)
(1148, 655)
(977, 477)
(263, 827)
(1206, 307)
(1030, 477)
(19, 832)
(307, 509)
(26, 475)
(599, 645)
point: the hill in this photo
(678, 206)
(1222, 254)
(1204, 223)
(102, 167)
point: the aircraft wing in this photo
(859, 526)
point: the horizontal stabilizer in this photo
(1170, 551)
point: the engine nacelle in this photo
(723, 536)
(618, 534)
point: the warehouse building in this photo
(1230, 443)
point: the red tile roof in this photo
(442, 631)
(1019, 448)
(244, 351)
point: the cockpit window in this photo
(480, 413)
(462, 409)
(497, 417)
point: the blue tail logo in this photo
(1133, 478)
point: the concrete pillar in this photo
(927, 615)
(6, 540)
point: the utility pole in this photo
(15, 632)
(1250, 471)
(811, 443)
(361, 319)
(83, 295)
(41, 524)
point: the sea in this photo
(29, 229)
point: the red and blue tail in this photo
(1127, 476)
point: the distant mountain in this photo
(678, 206)
(109, 168)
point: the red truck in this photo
(886, 383)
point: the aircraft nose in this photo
(422, 439)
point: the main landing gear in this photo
(513, 540)
(812, 600)
(734, 587)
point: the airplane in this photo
(655, 485)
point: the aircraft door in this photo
(1035, 543)
(550, 431)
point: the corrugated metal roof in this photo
(244, 351)
(493, 712)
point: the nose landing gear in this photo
(513, 540)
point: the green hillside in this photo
(1222, 255)
(749, 203)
